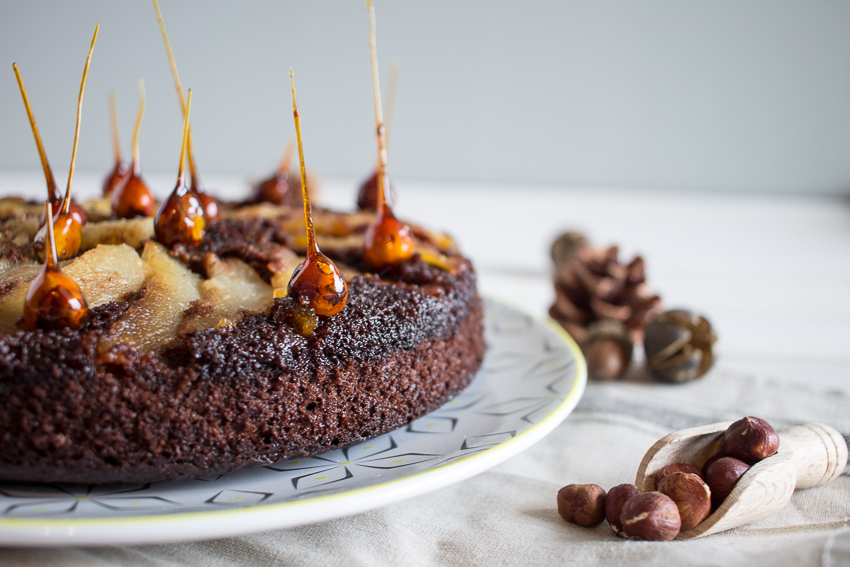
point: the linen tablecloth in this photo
(770, 272)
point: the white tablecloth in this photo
(772, 274)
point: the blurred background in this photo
(721, 96)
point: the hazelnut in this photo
(674, 468)
(722, 475)
(678, 346)
(651, 516)
(691, 495)
(614, 501)
(607, 349)
(750, 439)
(710, 460)
(582, 504)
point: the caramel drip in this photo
(67, 225)
(54, 300)
(180, 217)
(387, 240)
(210, 205)
(132, 198)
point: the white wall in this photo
(749, 95)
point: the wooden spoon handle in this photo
(818, 450)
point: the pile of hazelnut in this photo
(684, 495)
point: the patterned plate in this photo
(532, 377)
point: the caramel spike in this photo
(51, 259)
(177, 84)
(185, 139)
(312, 249)
(113, 119)
(287, 157)
(66, 206)
(52, 188)
(138, 126)
(392, 87)
(379, 117)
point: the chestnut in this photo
(678, 346)
(582, 504)
(607, 349)
(750, 440)
(651, 516)
(614, 501)
(691, 495)
(722, 475)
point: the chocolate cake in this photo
(191, 363)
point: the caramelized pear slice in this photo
(232, 285)
(153, 320)
(133, 232)
(14, 284)
(104, 274)
(107, 273)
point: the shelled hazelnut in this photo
(614, 501)
(691, 495)
(651, 516)
(750, 439)
(582, 504)
(722, 476)
(708, 463)
(685, 495)
(674, 468)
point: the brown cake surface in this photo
(128, 398)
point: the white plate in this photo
(532, 377)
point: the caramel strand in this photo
(379, 115)
(177, 83)
(138, 126)
(308, 213)
(113, 123)
(52, 187)
(66, 208)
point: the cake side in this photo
(250, 390)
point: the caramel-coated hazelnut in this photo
(691, 495)
(582, 504)
(651, 516)
(614, 501)
(722, 475)
(674, 468)
(750, 439)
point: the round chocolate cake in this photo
(193, 360)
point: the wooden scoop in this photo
(809, 455)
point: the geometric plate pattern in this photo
(532, 373)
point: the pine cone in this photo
(592, 285)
